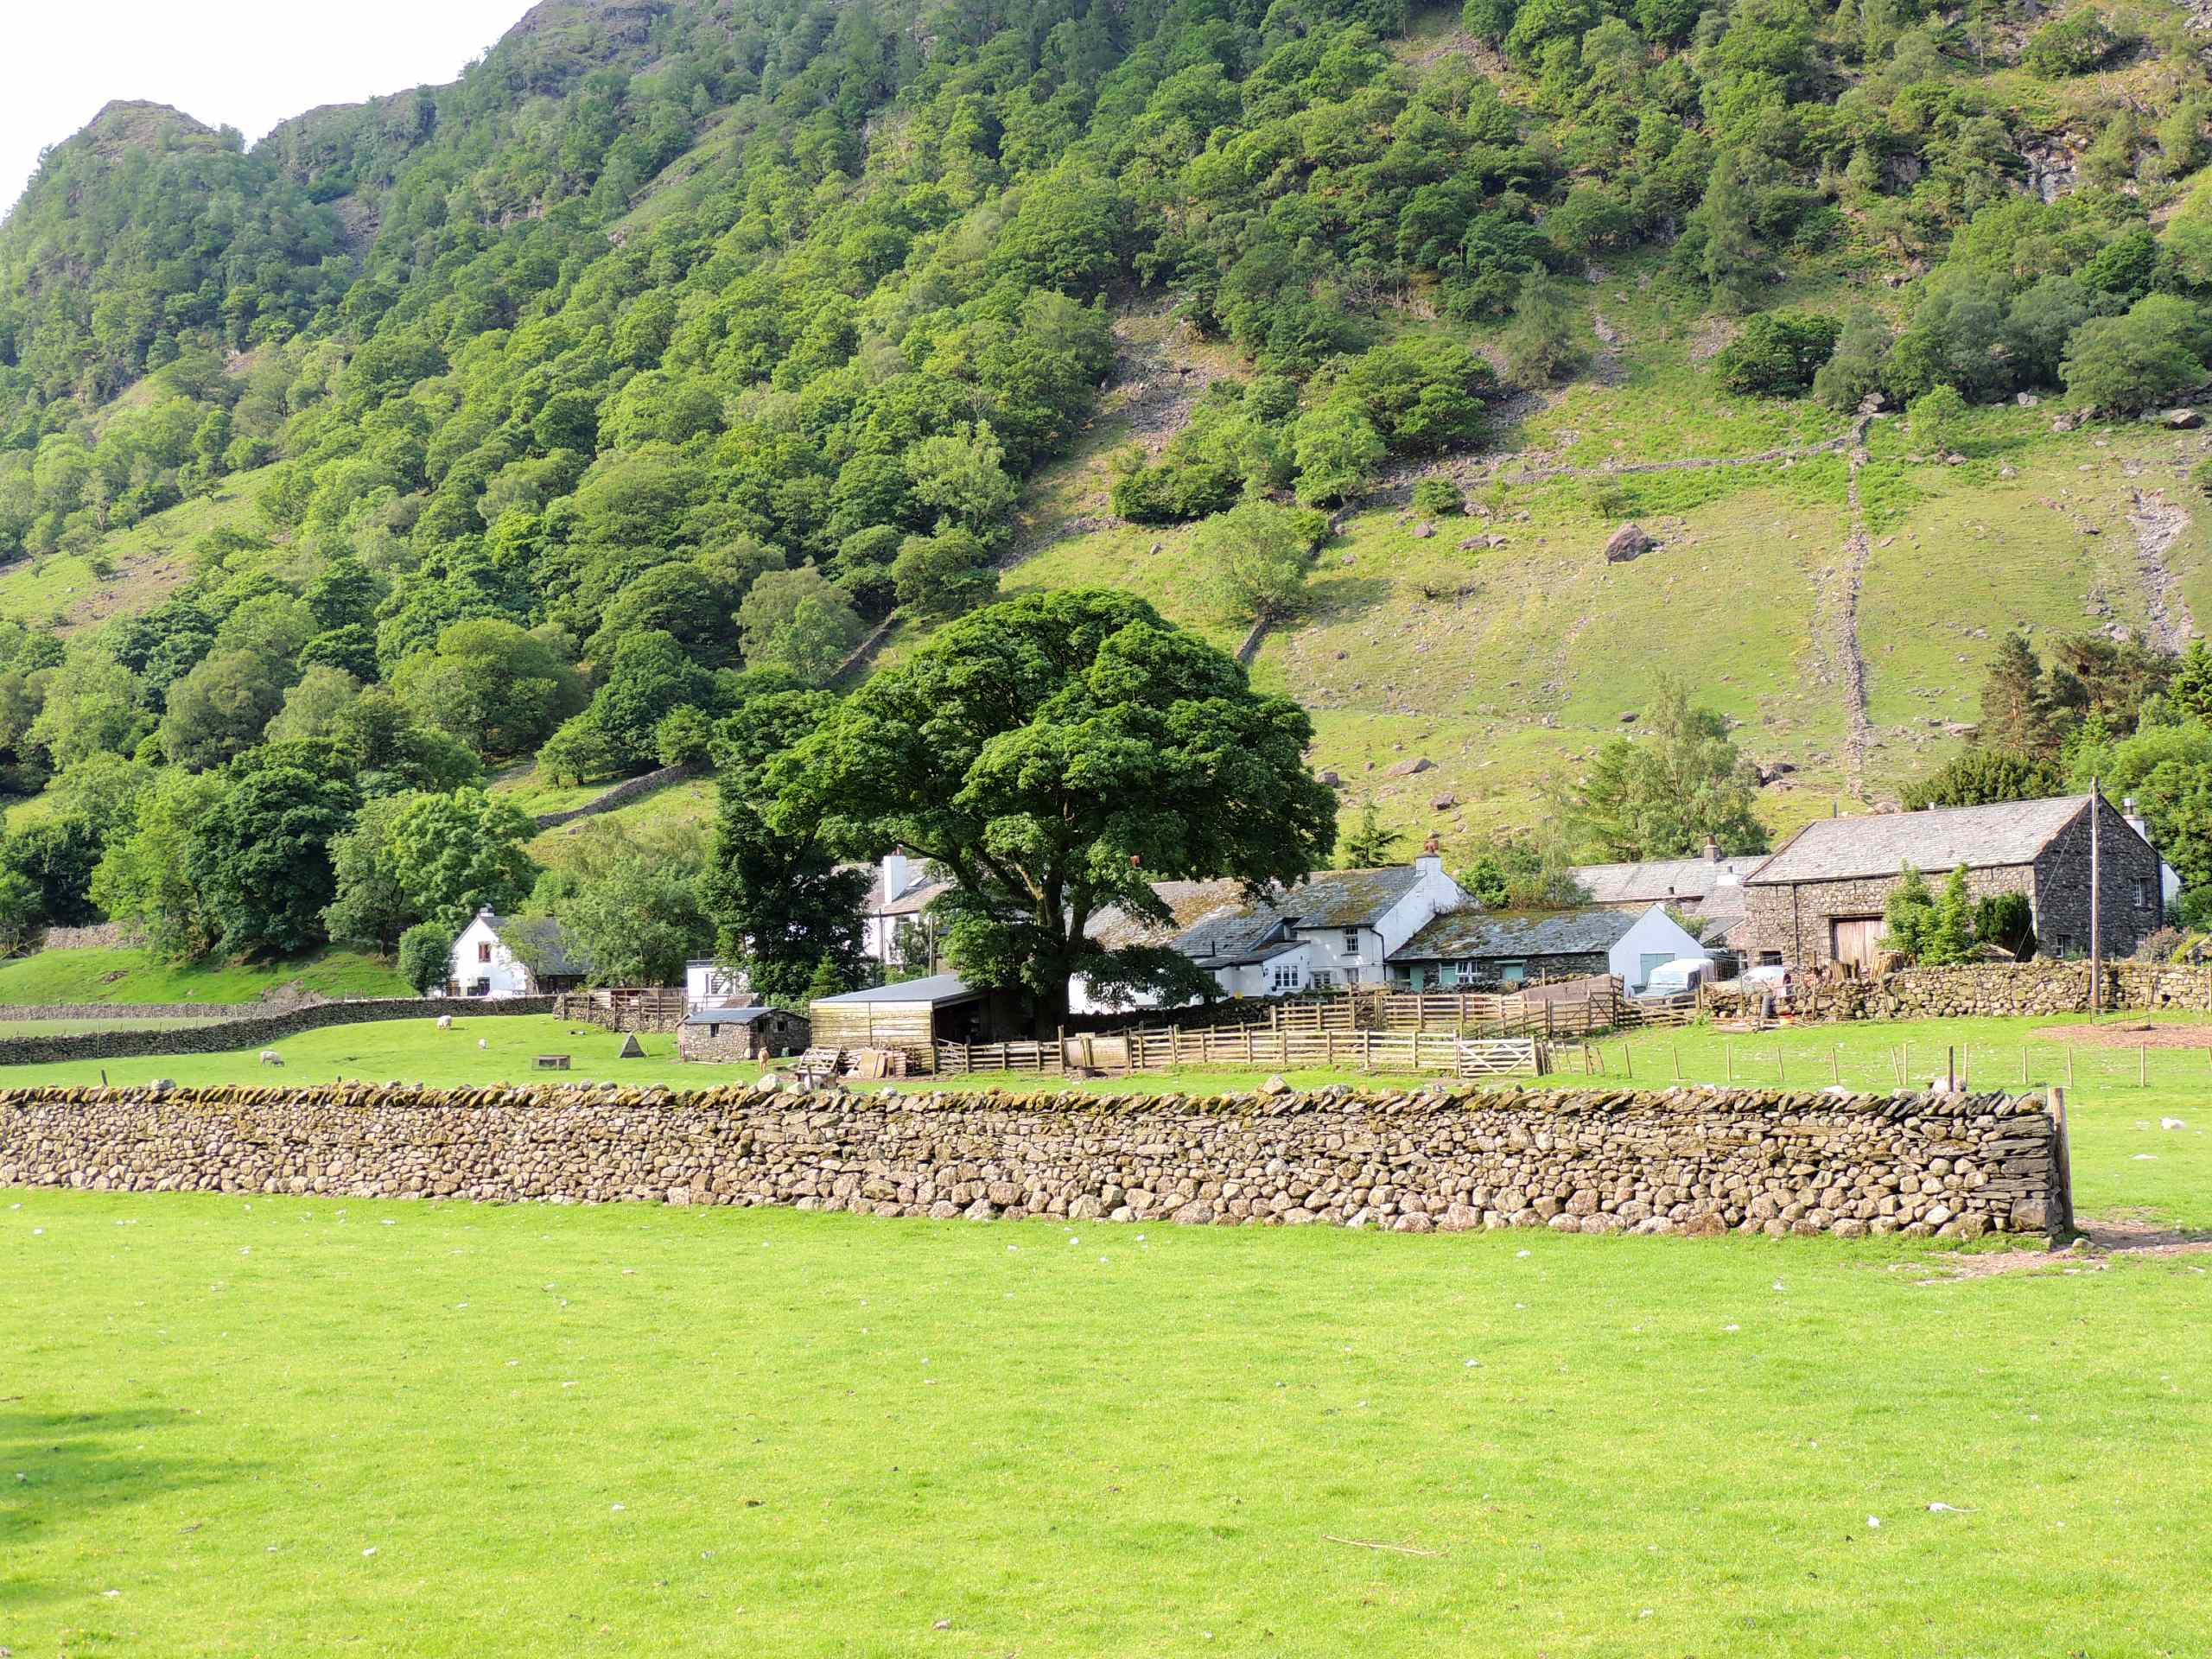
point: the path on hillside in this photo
(2158, 524)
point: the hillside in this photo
(531, 424)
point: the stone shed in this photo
(1820, 898)
(741, 1033)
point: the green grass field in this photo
(128, 975)
(307, 1427)
(234, 1425)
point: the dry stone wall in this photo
(2032, 988)
(1690, 1161)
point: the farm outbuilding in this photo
(916, 1014)
(742, 1034)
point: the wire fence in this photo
(1752, 1061)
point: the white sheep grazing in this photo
(445, 1022)
(482, 1043)
(270, 1056)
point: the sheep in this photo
(270, 1056)
(483, 1043)
(445, 1022)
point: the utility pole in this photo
(2096, 905)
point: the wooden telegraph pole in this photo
(2096, 907)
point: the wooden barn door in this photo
(1853, 940)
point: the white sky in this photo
(245, 63)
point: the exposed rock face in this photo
(1629, 542)
(2182, 420)
(1456, 1158)
(1407, 768)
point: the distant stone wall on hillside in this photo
(249, 1031)
(100, 936)
(1689, 1160)
(620, 794)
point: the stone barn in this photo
(742, 1034)
(1820, 898)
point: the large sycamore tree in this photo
(1054, 755)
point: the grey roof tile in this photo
(1462, 935)
(1933, 841)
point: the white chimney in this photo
(1431, 861)
(894, 874)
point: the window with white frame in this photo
(1324, 979)
(1283, 977)
(1351, 941)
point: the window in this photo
(483, 950)
(1769, 958)
(1324, 979)
(1351, 941)
(1512, 973)
(1284, 977)
(2142, 893)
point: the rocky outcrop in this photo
(1452, 1160)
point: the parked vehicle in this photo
(1680, 977)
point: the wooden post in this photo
(2069, 1065)
(1367, 1049)
(1677, 1049)
(1329, 1038)
(1951, 1069)
(1628, 1063)
(1728, 1054)
(1781, 1070)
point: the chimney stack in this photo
(1712, 850)
(894, 874)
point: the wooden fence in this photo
(648, 1007)
(1441, 1054)
(1567, 1012)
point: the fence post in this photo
(2061, 1168)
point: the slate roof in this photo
(922, 886)
(1476, 935)
(1657, 880)
(933, 987)
(1932, 842)
(1236, 938)
(728, 1016)
(546, 934)
(1348, 898)
(1188, 903)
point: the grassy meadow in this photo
(126, 975)
(313, 1427)
(238, 1425)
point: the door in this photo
(1855, 940)
(1647, 964)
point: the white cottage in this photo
(1332, 931)
(485, 962)
(1507, 949)
(711, 984)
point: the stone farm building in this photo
(492, 957)
(1820, 898)
(1507, 949)
(728, 1033)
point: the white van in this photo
(1680, 977)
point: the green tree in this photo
(1056, 755)
(798, 622)
(142, 876)
(1908, 915)
(783, 904)
(221, 709)
(491, 685)
(1336, 447)
(1662, 794)
(1254, 560)
(1369, 846)
(1939, 420)
(426, 957)
(260, 857)
(1778, 353)
(1981, 775)
(941, 576)
(1541, 344)
(2131, 363)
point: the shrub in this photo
(2073, 46)
(2131, 363)
(1938, 418)
(2161, 944)
(1440, 497)
(1777, 352)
